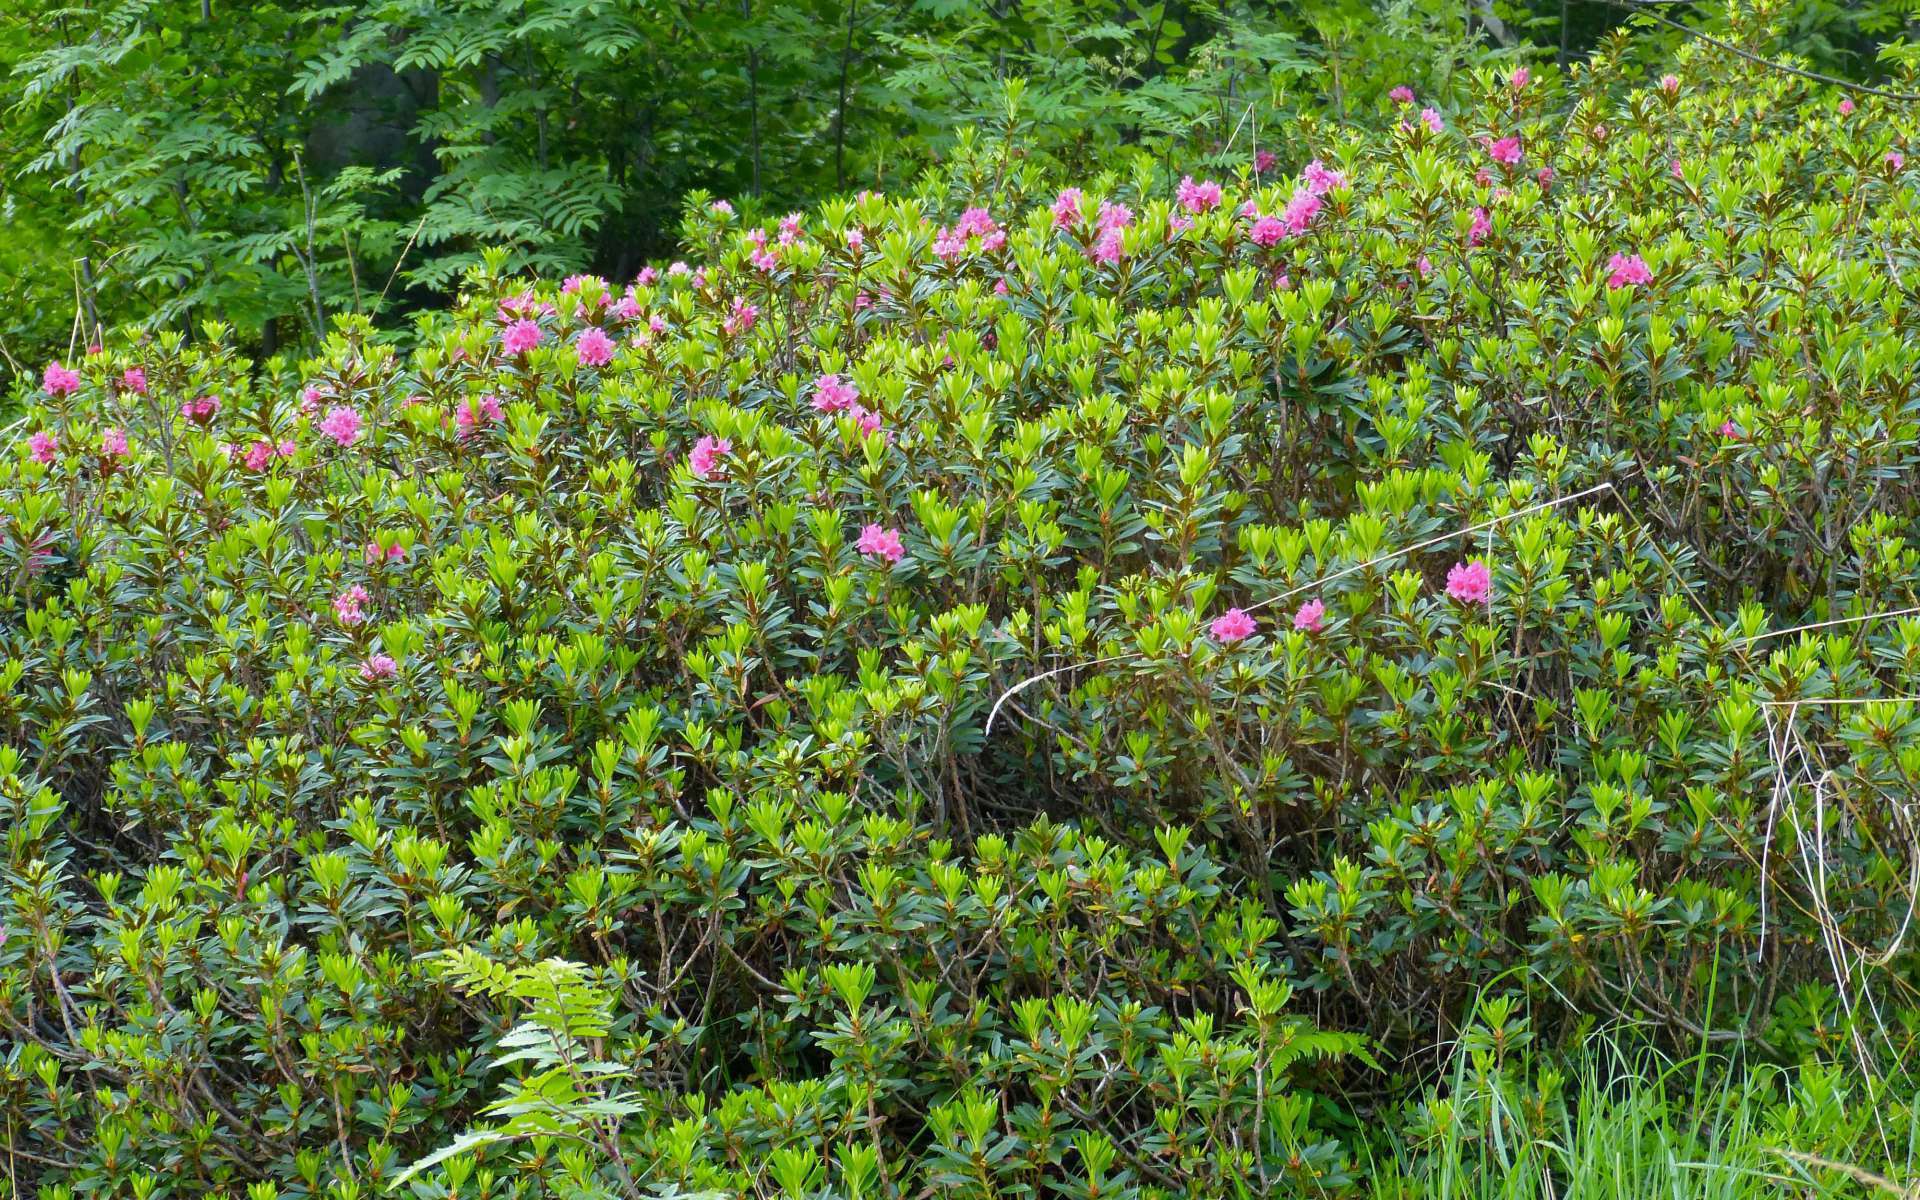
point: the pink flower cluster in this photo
(1624, 269)
(134, 380)
(1470, 582)
(1505, 151)
(876, 541)
(831, 395)
(1109, 243)
(1198, 198)
(342, 424)
(521, 336)
(347, 606)
(113, 443)
(1319, 180)
(58, 381)
(1066, 208)
(200, 410)
(1311, 617)
(1232, 626)
(261, 454)
(707, 452)
(975, 222)
(377, 667)
(479, 411)
(376, 553)
(43, 447)
(594, 347)
(741, 319)
(760, 258)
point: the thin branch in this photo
(1644, 8)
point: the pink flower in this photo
(1520, 77)
(200, 410)
(1066, 208)
(1425, 266)
(521, 336)
(134, 380)
(1320, 180)
(342, 424)
(1401, 95)
(1728, 429)
(310, 399)
(1263, 161)
(706, 455)
(1432, 118)
(1623, 269)
(856, 240)
(378, 666)
(470, 416)
(1301, 209)
(113, 443)
(1544, 175)
(376, 553)
(867, 419)
(258, 456)
(976, 221)
(678, 270)
(1846, 107)
(862, 300)
(1670, 84)
(43, 446)
(878, 542)
(594, 347)
(627, 308)
(58, 381)
(647, 277)
(741, 319)
(720, 208)
(346, 606)
(999, 287)
(1231, 626)
(1111, 245)
(1198, 198)
(1267, 231)
(1505, 151)
(1895, 160)
(1470, 582)
(1678, 172)
(1482, 226)
(1310, 617)
(831, 395)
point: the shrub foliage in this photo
(556, 762)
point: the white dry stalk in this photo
(1794, 764)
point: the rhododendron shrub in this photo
(1411, 629)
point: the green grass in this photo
(1631, 1126)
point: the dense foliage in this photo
(272, 165)
(555, 760)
